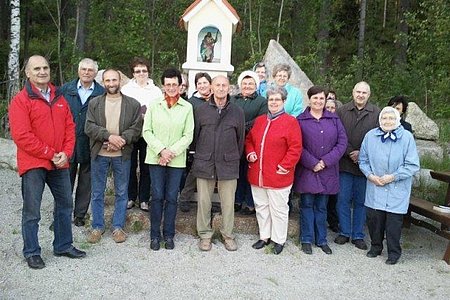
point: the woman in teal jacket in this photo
(389, 159)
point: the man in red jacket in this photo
(42, 128)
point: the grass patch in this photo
(444, 130)
(435, 194)
(429, 162)
(85, 246)
(137, 226)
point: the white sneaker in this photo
(144, 206)
(130, 204)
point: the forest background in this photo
(398, 46)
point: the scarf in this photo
(388, 135)
(273, 116)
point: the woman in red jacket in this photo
(273, 147)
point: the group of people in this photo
(256, 147)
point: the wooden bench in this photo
(425, 208)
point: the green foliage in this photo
(119, 30)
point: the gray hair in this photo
(282, 67)
(88, 61)
(275, 89)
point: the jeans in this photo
(313, 218)
(141, 189)
(33, 183)
(99, 172)
(353, 188)
(165, 186)
(243, 189)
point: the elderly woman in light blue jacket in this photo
(389, 159)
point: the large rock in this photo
(423, 178)
(424, 128)
(8, 154)
(275, 54)
(430, 149)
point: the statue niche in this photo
(209, 40)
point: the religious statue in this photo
(207, 47)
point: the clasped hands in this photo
(165, 156)
(381, 180)
(319, 166)
(115, 143)
(59, 159)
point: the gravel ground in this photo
(132, 270)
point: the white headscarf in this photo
(248, 74)
(390, 110)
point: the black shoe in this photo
(277, 248)
(341, 239)
(72, 253)
(246, 211)
(154, 244)
(391, 261)
(373, 253)
(35, 262)
(325, 248)
(169, 244)
(360, 244)
(306, 248)
(237, 207)
(260, 244)
(79, 222)
(185, 206)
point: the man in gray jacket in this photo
(113, 124)
(219, 142)
(358, 117)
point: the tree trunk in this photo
(401, 42)
(362, 28)
(250, 28)
(80, 31)
(279, 21)
(13, 60)
(259, 27)
(14, 50)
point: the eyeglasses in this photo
(140, 71)
(171, 85)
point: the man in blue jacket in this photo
(78, 93)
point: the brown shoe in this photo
(95, 236)
(205, 244)
(230, 244)
(119, 236)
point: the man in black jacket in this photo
(219, 143)
(78, 93)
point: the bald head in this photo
(220, 87)
(361, 94)
(37, 71)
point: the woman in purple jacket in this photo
(317, 173)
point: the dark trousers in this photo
(332, 217)
(139, 188)
(188, 183)
(380, 222)
(83, 190)
(243, 193)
